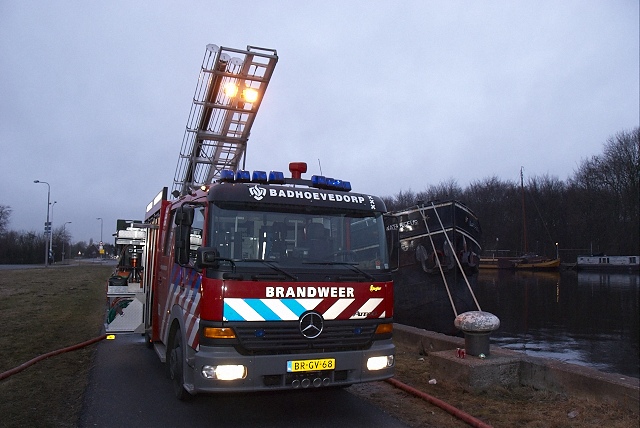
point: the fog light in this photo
(224, 372)
(379, 363)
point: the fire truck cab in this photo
(261, 282)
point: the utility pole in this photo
(47, 225)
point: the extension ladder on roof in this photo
(228, 94)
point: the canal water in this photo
(591, 319)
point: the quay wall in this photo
(509, 368)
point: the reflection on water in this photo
(582, 318)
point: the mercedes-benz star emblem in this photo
(311, 324)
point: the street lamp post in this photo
(47, 224)
(63, 238)
(51, 233)
(101, 243)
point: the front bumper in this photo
(269, 372)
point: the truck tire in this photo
(175, 361)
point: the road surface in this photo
(128, 388)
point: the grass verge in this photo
(43, 310)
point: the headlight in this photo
(225, 372)
(379, 363)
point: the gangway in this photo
(228, 94)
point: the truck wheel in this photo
(175, 361)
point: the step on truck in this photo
(260, 282)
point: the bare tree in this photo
(5, 213)
(446, 190)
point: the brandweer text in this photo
(299, 292)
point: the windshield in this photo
(296, 238)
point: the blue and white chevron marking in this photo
(239, 309)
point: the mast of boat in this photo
(524, 215)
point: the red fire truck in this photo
(263, 282)
(257, 281)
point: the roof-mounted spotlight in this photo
(250, 95)
(230, 89)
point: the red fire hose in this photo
(474, 422)
(50, 354)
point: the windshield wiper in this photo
(352, 265)
(272, 266)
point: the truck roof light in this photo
(276, 177)
(319, 181)
(243, 176)
(226, 175)
(259, 177)
(323, 182)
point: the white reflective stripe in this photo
(279, 308)
(243, 309)
(194, 329)
(165, 314)
(368, 307)
(337, 308)
(184, 294)
(192, 307)
(309, 304)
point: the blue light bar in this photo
(323, 182)
(276, 177)
(243, 176)
(226, 175)
(259, 177)
(319, 181)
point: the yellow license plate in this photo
(311, 365)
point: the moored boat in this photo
(526, 262)
(437, 235)
(609, 263)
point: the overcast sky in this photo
(390, 95)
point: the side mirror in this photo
(207, 257)
(184, 216)
(181, 251)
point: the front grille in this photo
(285, 337)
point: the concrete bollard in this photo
(477, 327)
